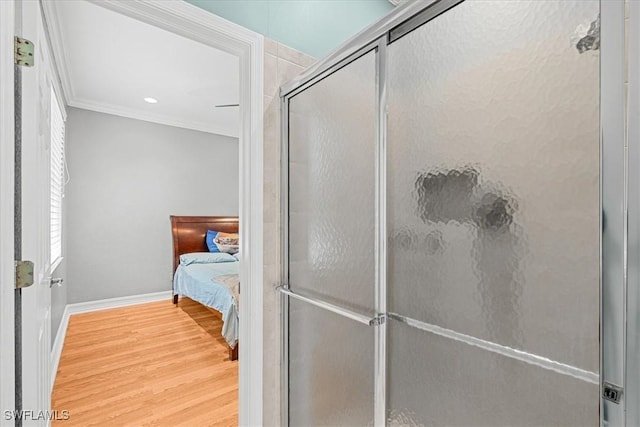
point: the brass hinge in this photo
(23, 52)
(24, 274)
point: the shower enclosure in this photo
(455, 220)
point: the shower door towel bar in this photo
(361, 318)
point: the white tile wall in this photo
(281, 64)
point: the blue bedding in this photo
(196, 281)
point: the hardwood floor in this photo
(147, 365)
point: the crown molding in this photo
(130, 113)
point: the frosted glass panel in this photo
(435, 381)
(330, 368)
(331, 187)
(493, 178)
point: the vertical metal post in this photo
(632, 389)
(380, 294)
(284, 263)
(614, 209)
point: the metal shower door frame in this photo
(378, 320)
(614, 202)
(613, 208)
(632, 362)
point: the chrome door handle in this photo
(56, 282)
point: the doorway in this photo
(195, 24)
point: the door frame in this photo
(7, 279)
(197, 24)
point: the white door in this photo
(36, 299)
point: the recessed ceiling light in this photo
(151, 100)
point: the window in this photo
(57, 179)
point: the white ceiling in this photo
(109, 62)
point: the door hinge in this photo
(612, 392)
(23, 52)
(24, 274)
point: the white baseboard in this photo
(105, 304)
(86, 307)
(56, 350)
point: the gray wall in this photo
(127, 177)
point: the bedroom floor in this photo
(151, 364)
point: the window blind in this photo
(57, 178)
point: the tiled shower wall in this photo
(281, 64)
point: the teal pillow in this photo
(205, 258)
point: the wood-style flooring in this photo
(147, 365)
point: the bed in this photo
(206, 282)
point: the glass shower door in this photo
(331, 248)
(493, 216)
(443, 221)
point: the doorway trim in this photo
(7, 376)
(184, 19)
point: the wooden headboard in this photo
(189, 233)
